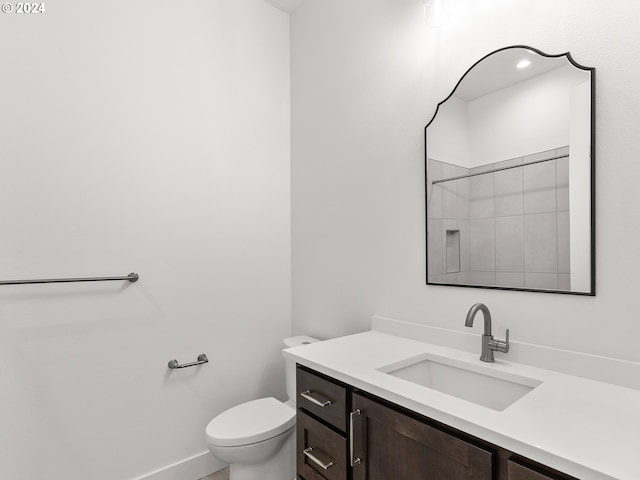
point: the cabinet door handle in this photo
(307, 396)
(316, 460)
(354, 461)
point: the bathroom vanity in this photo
(379, 406)
(379, 439)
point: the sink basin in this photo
(478, 384)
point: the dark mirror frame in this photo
(592, 72)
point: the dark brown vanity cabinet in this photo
(322, 398)
(519, 468)
(347, 434)
(321, 435)
(392, 445)
(321, 452)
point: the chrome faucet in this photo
(489, 344)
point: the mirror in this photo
(510, 176)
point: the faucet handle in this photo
(501, 346)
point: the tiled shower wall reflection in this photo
(508, 228)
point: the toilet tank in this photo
(290, 365)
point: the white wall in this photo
(150, 137)
(366, 77)
(448, 135)
(579, 198)
(526, 118)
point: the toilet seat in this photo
(250, 422)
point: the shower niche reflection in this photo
(509, 184)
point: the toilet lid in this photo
(250, 422)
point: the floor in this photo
(221, 475)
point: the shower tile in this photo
(541, 243)
(509, 238)
(509, 163)
(451, 278)
(564, 243)
(481, 196)
(434, 201)
(540, 187)
(540, 156)
(453, 251)
(507, 279)
(449, 199)
(482, 278)
(434, 169)
(482, 245)
(464, 278)
(508, 192)
(449, 191)
(462, 189)
(449, 170)
(482, 168)
(436, 245)
(451, 246)
(564, 281)
(434, 192)
(463, 226)
(562, 181)
(546, 281)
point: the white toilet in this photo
(257, 438)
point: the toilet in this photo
(257, 437)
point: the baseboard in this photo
(616, 371)
(192, 468)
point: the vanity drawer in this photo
(323, 398)
(321, 453)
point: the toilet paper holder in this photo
(202, 358)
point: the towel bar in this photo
(202, 358)
(132, 277)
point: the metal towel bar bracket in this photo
(202, 358)
(132, 277)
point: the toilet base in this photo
(279, 467)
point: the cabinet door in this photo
(321, 452)
(393, 446)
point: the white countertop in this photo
(582, 427)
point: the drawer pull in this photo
(307, 396)
(316, 460)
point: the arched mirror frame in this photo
(591, 71)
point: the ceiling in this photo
(499, 70)
(482, 79)
(288, 6)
